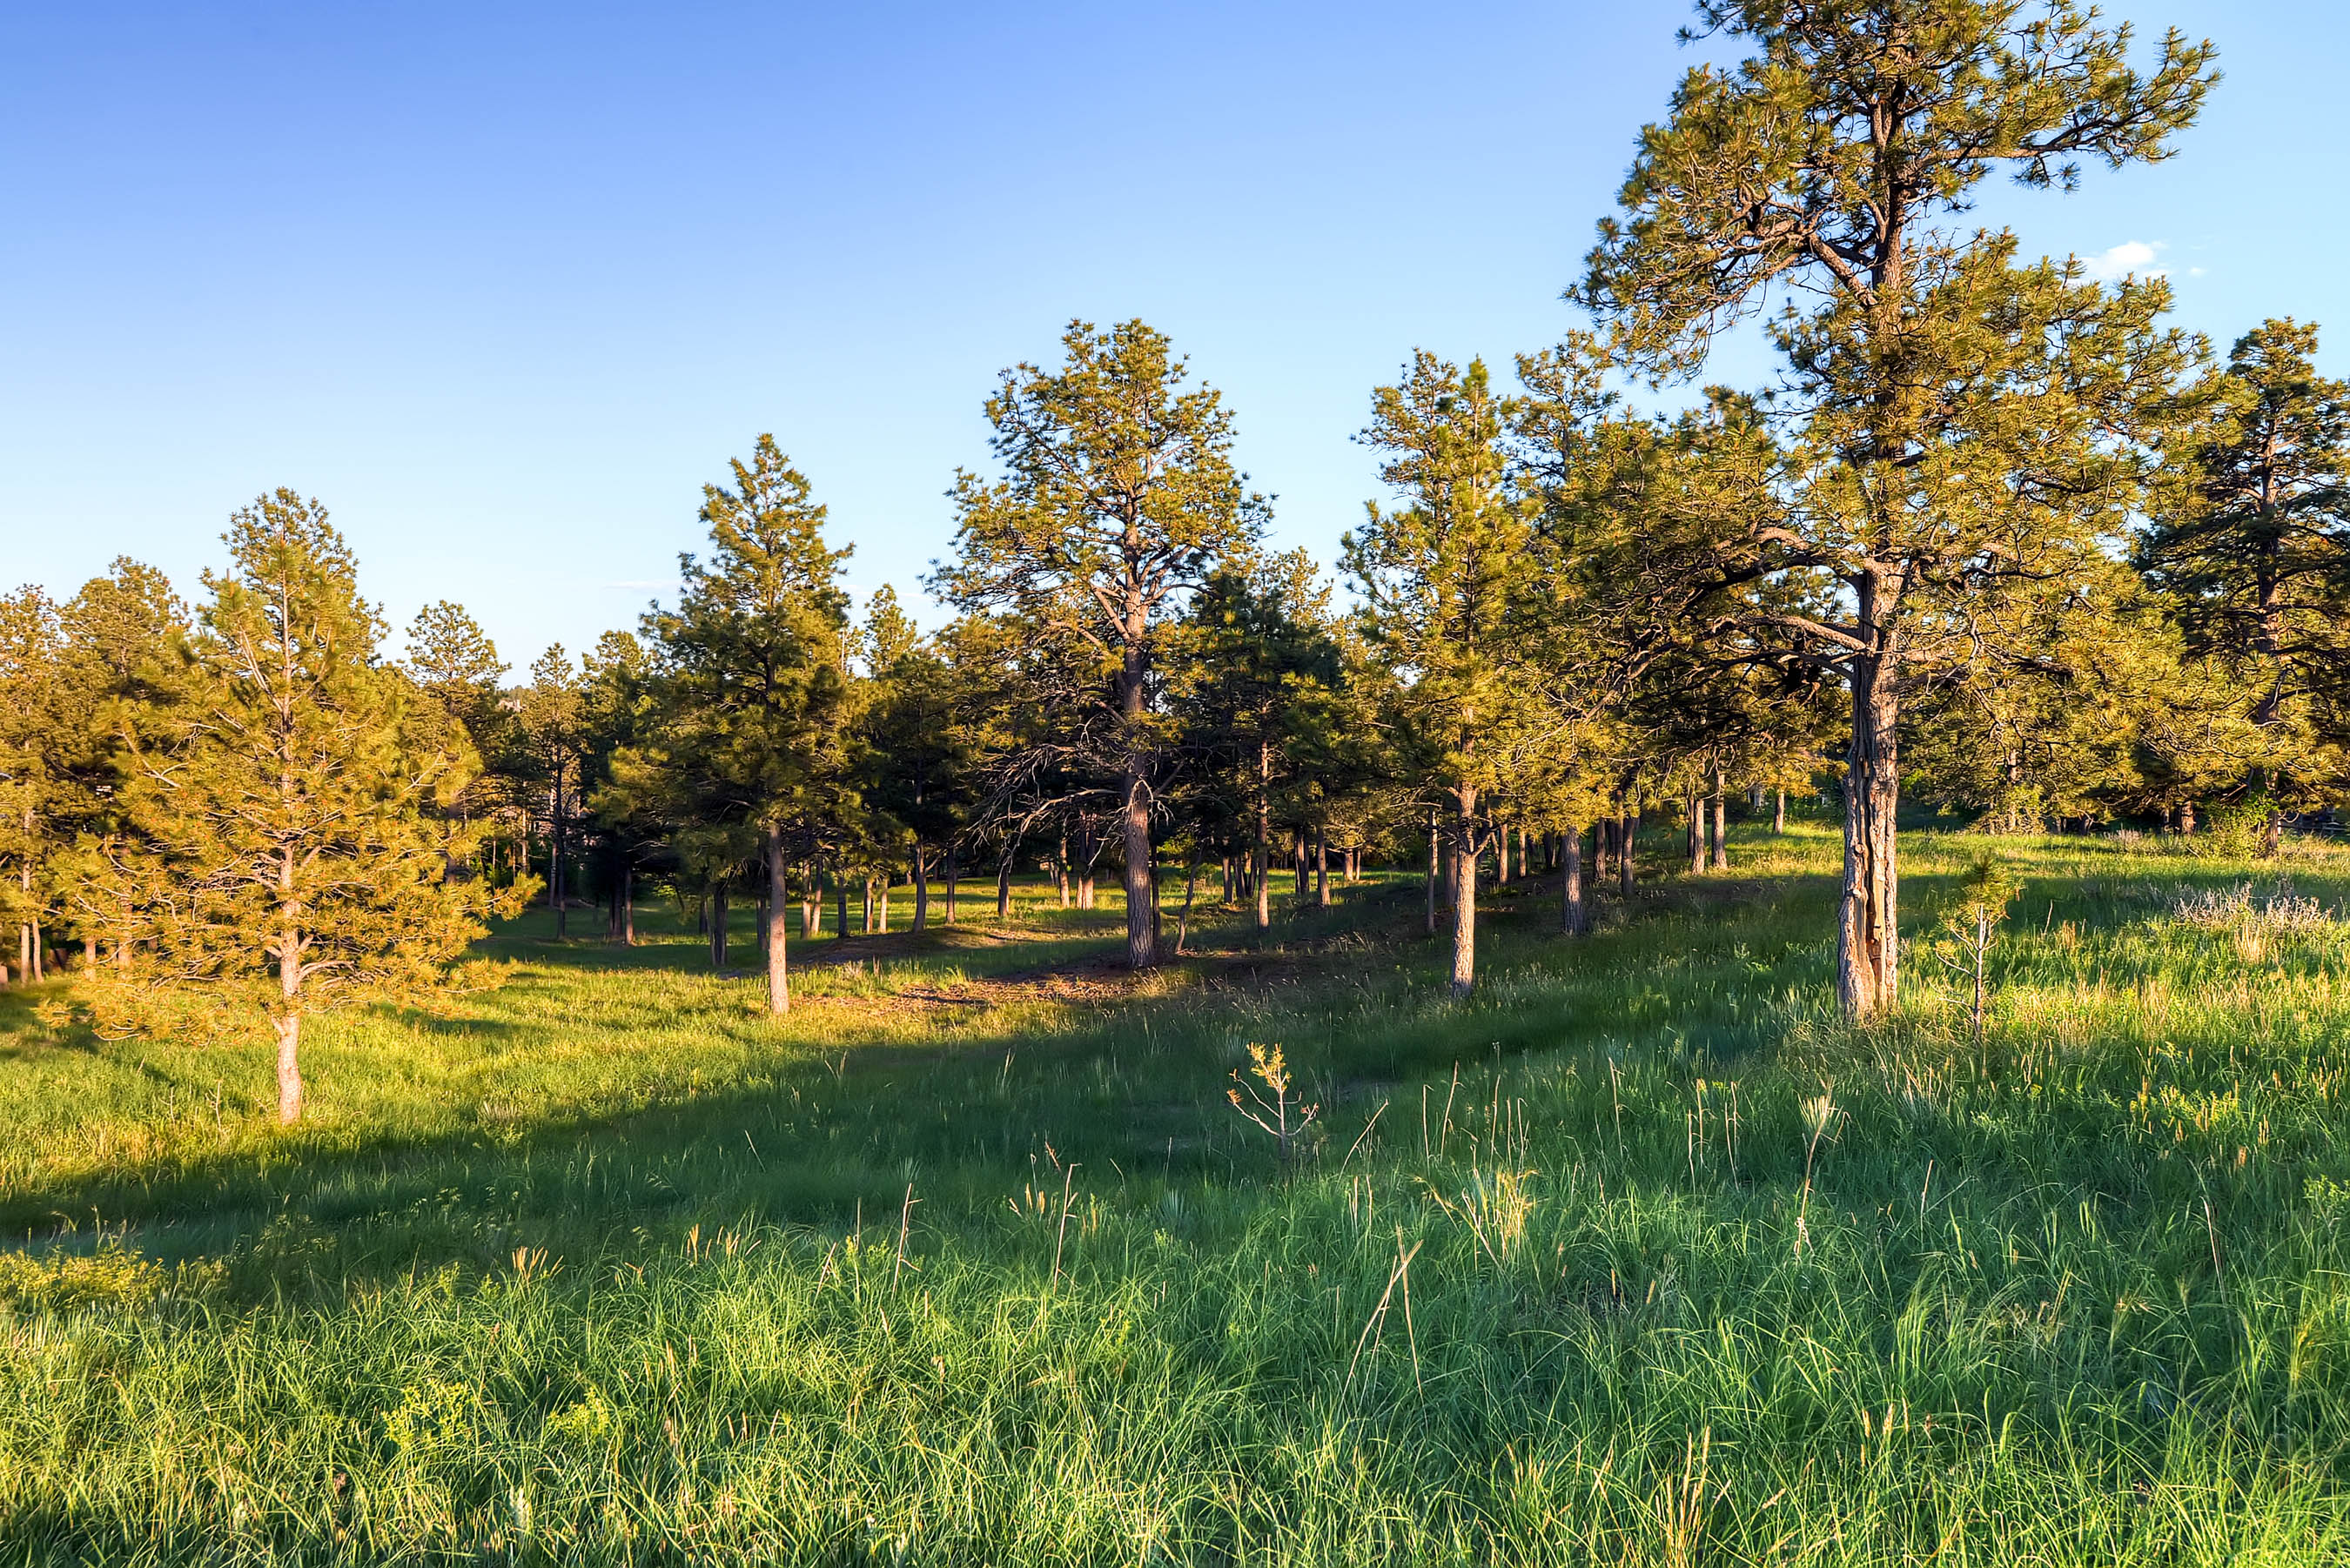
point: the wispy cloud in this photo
(2129, 257)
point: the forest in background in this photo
(1997, 535)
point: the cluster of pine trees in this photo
(1997, 533)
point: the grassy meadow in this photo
(1639, 1257)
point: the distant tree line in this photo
(1996, 536)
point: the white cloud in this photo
(2130, 256)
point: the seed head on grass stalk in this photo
(1821, 1114)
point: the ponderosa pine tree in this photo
(296, 854)
(1829, 162)
(918, 752)
(452, 661)
(546, 750)
(1259, 668)
(752, 683)
(456, 668)
(615, 713)
(1443, 582)
(123, 673)
(1118, 497)
(2251, 538)
(32, 783)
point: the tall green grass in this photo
(969, 1261)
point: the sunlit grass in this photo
(970, 1261)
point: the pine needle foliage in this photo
(752, 678)
(289, 852)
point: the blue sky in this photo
(503, 285)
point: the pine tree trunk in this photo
(1779, 813)
(1435, 869)
(1260, 859)
(718, 928)
(1628, 838)
(922, 888)
(1141, 896)
(628, 906)
(839, 904)
(1061, 869)
(1867, 939)
(1298, 864)
(1574, 913)
(954, 874)
(1464, 895)
(1004, 882)
(289, 1027)
(287, 1020)
(1321, 868)
(555, 885)
(882, 903)
(1696, 832)
(811, 904)
(779, 893)
(1720, 825)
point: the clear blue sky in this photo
(503, 285)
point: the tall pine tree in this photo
(752, 684)
(295, 858)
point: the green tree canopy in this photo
(295, 856)
(1117, 498)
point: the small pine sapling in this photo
(1275, 1114)
(1970, 930)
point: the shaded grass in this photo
(604, 1267)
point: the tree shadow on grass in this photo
(814, 1135)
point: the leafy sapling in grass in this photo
(1274, 1114)
(1970, 930)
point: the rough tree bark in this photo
(1435, 868)
(779, 893)
(1464, 894)
(1627, 834)
(1261, 857)
(1868, 937)
(287, 1021)
(1141, 908)
(1574, 911)
(1721, 823)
